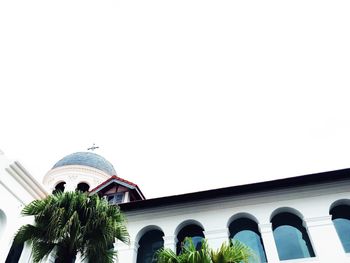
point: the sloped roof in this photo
(304, 180)
(118, 180)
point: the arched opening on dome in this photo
(59, 188)
(149, 243)
(15, 253)
(291, 237)
(340, 212)
(83, 187)
(246, 231)
(193, 231)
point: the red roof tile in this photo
(114, 177)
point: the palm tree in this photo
(72, 222)
(234, 252)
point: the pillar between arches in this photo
(170, 242)
(126, 253)
(269, 242)
(324, 239)
(216, 237)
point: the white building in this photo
(300, 219)
(288, 220)
(17, 188)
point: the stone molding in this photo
(318, 221)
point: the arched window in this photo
(341, 220)
(246, 231)
(83, 187)
(2, 222)
(292, 240)
(15, 253)
(149, 243)
(59, 187)
(193, 231)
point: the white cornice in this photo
(21, 175)
(77, 169)
(39, 189)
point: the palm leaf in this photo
(66, 223)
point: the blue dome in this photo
(87, 159)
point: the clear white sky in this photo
(180, 95)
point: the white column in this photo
(126, 253)
(269, 242)
(70, 186)
(324, 238)
(26, 256)
(170, 242)
(216, 237)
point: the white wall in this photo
(3, 221)
(72, 175)
(17, 188)
(312, 203)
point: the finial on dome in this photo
(93, 148)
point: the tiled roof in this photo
(87, 159)
(114, 177)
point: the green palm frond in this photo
(41, 250)
(232, 252)
(66, 223)
(166, 256)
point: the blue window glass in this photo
(115, 198)
(193, 231)
(197, 242)
(252, 240)
(246, 231)
(342, 226)
(341, 220)
(290, 243)
(292, 240)
(148, 246)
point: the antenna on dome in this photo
(93, 148)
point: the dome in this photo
(87, 159)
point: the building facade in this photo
(300, 219)
(17, 189)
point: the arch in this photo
(244, 228)
(339, 202)
(189, 228)
(242, 215)
(3, 220)
(286, 209)
(59, 187)
(291, 237)
(150, 239)
(145, 230)
(186, 223)
(83, 187)
(340, 212)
